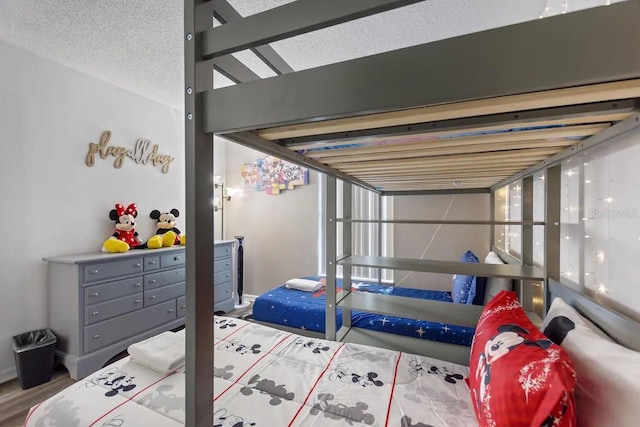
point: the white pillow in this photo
(495, 284)
(608, 374)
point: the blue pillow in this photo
(465, 288)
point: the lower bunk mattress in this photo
(306, 311)
(271, 378)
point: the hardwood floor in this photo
(15, 402)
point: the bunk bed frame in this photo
(487, 109)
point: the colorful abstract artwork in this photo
(273, 175)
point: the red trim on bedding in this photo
(31, 413)
(130, 398)
(250, 367)
(314, 385)
(222, 339)
(393, 387)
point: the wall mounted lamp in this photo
(222, 194)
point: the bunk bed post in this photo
(526, 291)
(330, 230)
(552, 229)
(200, 224)
(347, 248)
(581, 226)
(492, 217)
(380, 201)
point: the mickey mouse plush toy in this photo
(166, 228)
(125, 236)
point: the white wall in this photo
(444, 242)
(281, 231)
(52, 203)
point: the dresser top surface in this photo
(106, 256)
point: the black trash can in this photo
(33, 353)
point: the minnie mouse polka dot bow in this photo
(130, 210)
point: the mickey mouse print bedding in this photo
(267, 377)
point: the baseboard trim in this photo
(8, 375)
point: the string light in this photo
(587, 181)
(608, 200)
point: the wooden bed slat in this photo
(458, 159)
(569, 121)
(529, 101)
(447, 177)
(520, 163)
(454, 149)
(426, 174)
(467, 141)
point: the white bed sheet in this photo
(267, 377)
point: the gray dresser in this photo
(101, 303)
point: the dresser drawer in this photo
(151, 263)
(223, 276)
(222, 292)
(173, 259)
(221, 251)
(222, 265)
(181, 306)
(166, 293)
(108, 291)
(106, 310)
(113, 330)
(156, 280)
(107, 270)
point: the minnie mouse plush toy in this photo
(125, 236)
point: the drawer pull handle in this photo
(137, 265)
(152, 297)
(228, 249)
(171, 310)
(96, 337)
(152, 281)
(176, 258)
(226, 291)
(183, 306)
(94, 271)
(95, 294)
(152, 262)
(138, 285)
(228, 275)
(228, 264)
(95, 313)
(137, 301)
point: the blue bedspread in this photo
(306, 310)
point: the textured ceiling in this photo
(137, 44)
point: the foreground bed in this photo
(517, 376)
(268, 377)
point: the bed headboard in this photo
(619, 327)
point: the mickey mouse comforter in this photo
(267, 377)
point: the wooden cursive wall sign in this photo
(144, 152)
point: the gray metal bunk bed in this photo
(486, 109)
